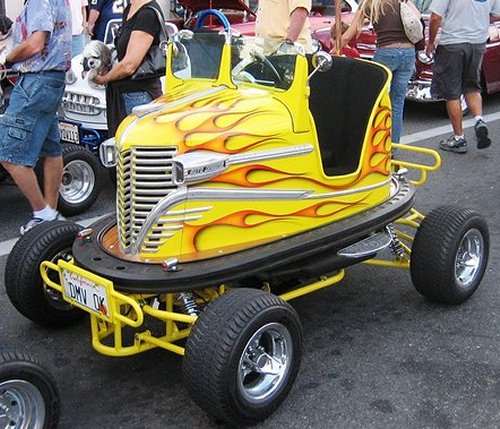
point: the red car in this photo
(419, 86)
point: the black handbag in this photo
(155, 62)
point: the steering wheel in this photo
(212, 12)
(255, 56)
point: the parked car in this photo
(254, 181)
(419, 85)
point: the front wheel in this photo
(29, 397)
(49, 241)
(450, 254)
(243, 355)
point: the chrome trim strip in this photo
(202, 165)
(269, 154)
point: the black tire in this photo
(81, 181)
(29, 396)
(23, 282)
(219, 342)
(450, 254)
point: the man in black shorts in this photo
(457, 66)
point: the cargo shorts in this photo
(29, 128)
(457, 70)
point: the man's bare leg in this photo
(475, 103)
(52, 175)
(454, 110)
(26, 181)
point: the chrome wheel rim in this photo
(469, 257)
(78, 182)
(21, 405)
(265, 362)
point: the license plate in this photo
(85, 292)
(69, 132)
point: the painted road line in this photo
(6, 246)
(446, 129)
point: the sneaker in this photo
(482, 139)
(37, 221)
(454, 145)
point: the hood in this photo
(197, 5)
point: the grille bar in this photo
(144, 178)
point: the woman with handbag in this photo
(394, 49)
(139, 34)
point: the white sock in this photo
(48, 213)
(477, 118)
(457, 138)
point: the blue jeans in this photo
(401, 62)
(29, 127)
(136, 98)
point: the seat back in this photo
(341, 102)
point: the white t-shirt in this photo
(465, 21)
(76, 16)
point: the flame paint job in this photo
(248, 119)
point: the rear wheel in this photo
(49, 241)
(450, 254)
(29, 397)
(243, 355)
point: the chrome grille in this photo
(144, 177)
(81, 103)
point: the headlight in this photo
(424, 58)
(70, 77)
(107, 153)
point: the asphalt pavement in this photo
(376, 353)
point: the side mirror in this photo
(321, 61)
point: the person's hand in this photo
(288, 47)
(98, 79)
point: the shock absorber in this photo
(187, 303)
(395, 247)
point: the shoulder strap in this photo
(161, 20)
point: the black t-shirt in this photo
(145, 19)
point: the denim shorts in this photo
(457, 70)
(29, 128)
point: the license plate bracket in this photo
(86, 291)
(70, 133)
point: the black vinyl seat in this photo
(341, 103)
